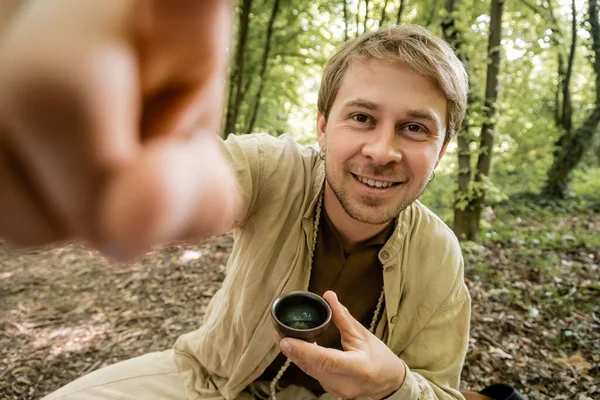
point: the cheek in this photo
(343, 148)
(420, 162)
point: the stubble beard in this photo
(374, 215)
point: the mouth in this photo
(375, 184)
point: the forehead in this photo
(392, 84)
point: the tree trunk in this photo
(567, 113)
(557, 98)
(367, 15)
(345, 20)
(432, 14)
(383, 13)
(464, 226)
(236, 80)
(263, 68)
(400, 11)
(567, 156)
(486, 145)
(358, 18)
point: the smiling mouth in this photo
(374, 183)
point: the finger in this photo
(183, 46)
(22, 221)
(72, 107)
(276, 338)
(181, 42)
(348, 326)
(179, 110)
(176, 190)
(316, 360)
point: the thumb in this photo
(348, 326)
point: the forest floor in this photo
(535, 284)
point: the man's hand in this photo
(108, 115)
(366, 367)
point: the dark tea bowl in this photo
(300, 315)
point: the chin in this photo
(371, 215)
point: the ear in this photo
(442, 152)
(321, 128)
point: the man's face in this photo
(382, 140)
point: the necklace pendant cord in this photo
(287, 363)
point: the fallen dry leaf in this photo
(576, 361)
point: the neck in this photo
(351, 231)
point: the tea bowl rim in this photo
(312, 295)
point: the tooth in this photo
(371, 182)
(378, 184)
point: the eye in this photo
(414, 128)
(362, 118)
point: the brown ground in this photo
(65, 311)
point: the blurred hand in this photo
(109, 111)
(366, 367)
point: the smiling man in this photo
(344, 221)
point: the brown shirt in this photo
(356, 278)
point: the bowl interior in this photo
(301, 312)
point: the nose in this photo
(382, 146)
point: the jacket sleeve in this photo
(246, 156)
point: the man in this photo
(345, 218)
(390, 102)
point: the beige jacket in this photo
(427, 305)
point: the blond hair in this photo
(424, 53)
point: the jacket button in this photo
(385, 255)
(394, 319)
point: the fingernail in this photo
(286, 347)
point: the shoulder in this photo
(434, 258)
(427, 229)
(273, 171)
(272, 152)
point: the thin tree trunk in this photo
(567, 113)
(491, 96)
(366, 16)
(547, 12)
(345, 20)
(358, 18)
(236, 80)
(432, 14)
(567, 157)
(557, 97)
(465, 224)
(263, 68)
(400, 11)
(383, 14)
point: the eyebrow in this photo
(363, 103)
(426, 115)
